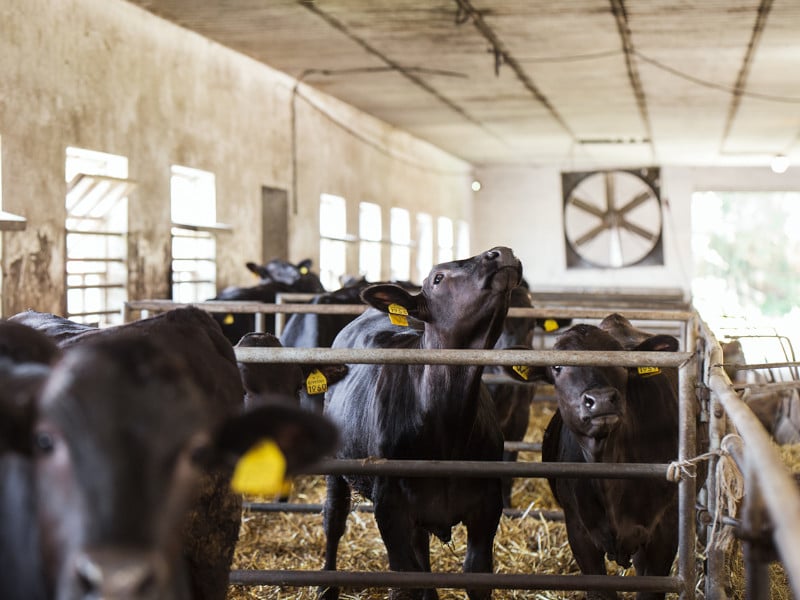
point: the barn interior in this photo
(192, 136)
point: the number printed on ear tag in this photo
(316, 382)
(648, 371)
(398, 314)
(260, 471)
(522, 370)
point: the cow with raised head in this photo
(615, 415)
(133, 441)
(433, 412)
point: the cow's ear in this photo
(659, 343)
(257, 270)
(19, 388)
(304, 266)
(387, 297)
(302, 436)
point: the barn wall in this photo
(108, 76)
(522, 208)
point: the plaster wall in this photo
(106, 75)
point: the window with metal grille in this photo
(194, 245)
(332, 240)
(400, 238)
(369, 244)
(96, 231)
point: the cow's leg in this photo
(481, 527)
(591, 559)
(657, 557)
(508, 482)
(421, 541)
(336, 509)
(398, 532)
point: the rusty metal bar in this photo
(408, 579)
(484, 468)
(418, 356)
(778, 487)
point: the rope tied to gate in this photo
(678, 469)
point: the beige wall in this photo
(107, 76)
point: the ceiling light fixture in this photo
(779, 164)
(476, 186)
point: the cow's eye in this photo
(438, 278)
(44, 442)
(556, 369)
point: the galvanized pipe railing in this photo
(684, 361)
(778, 488)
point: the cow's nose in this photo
(492, 255)
(600, 400)
(120, 576)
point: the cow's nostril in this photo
(589, 401)
(492, 254)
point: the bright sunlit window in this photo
(96, 228)
(746, 269)
(462, 240)
(332, 240)
(444, 230)
(424, 245)
(400, 238)
(194, 248)
(369, 245)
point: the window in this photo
(462, 241)
(96, 228)
(369, 246)
(400, 238)
(194, 247)
(445, 239)
(424, 245)
(332, 238)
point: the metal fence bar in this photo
(484, 468)
(779, 490)
(296, 507)
(406, 579)
(460, 357)
(687, 490)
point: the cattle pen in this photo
(771, 497)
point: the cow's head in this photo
(463, 303)
(121, 441)
(591, 399)
(298, 277)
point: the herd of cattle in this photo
(117, 445)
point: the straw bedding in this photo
(522, 545)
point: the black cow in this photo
(615, 414)
(25, 359)
(276, 277)
(513, 401)
(305, 384)
(133, 443)
(423, 412)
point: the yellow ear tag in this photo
(228, 320)
(303, 270)
(397, 315)
(316, 382)
(260, 471)
(550, 325)
(648, 371)
(522, 370)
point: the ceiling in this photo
(572, 83)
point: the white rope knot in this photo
(678, 469)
